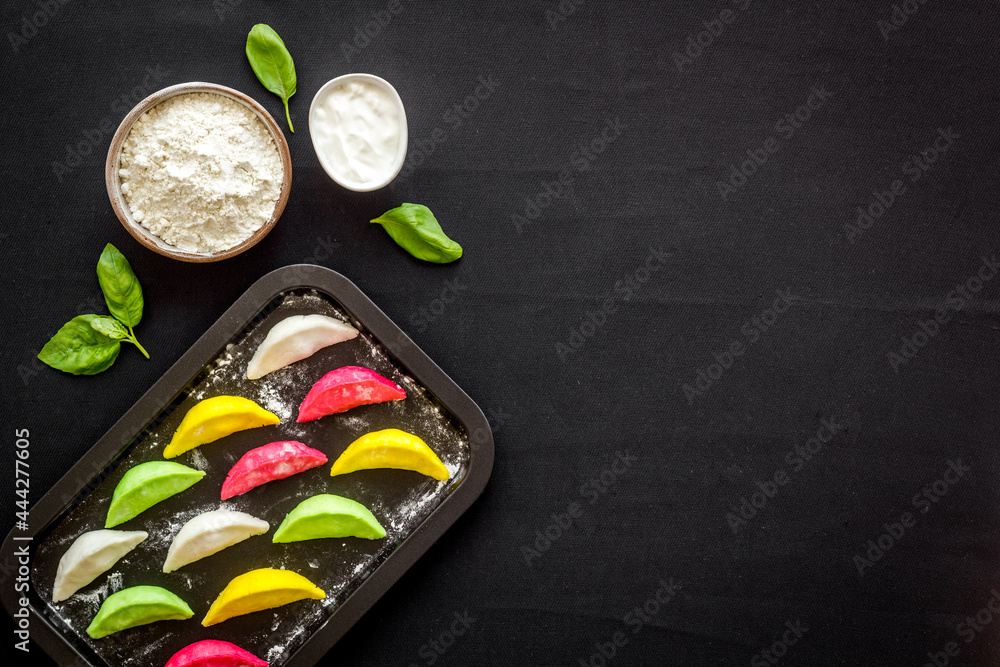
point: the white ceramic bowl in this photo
(403, 133)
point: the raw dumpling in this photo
(90, 556)
(296, 338)
(147, 484)
(327, 515)
(390, 448)
(210, 533)
(139, 605)
(258, 590)
(214, 653)
(215, 418)
(346, 388)
(276, 460)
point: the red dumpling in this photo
(276, 460)
(346, 388)
(214, 653)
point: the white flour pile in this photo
(201, 172)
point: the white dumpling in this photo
(210, 533)
(296, 338)
(90, 556)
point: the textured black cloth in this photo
(686, 255)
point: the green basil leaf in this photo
(415, 228)
(110, 327)
(121, 288)
(272, 63)
(79, 349)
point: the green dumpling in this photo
(327, 515)
(139, 605)
(147, 484)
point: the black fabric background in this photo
(560, 422)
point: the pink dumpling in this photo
(276, 460)
(214, 653)
(346, 388)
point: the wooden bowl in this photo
(146, 237)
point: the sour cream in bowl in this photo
(358, 128)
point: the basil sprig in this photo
(120, 286)
(415, 228)
(80, 349)
(122, 291)
(89, 344)
(272, 63)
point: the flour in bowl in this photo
(201, 172)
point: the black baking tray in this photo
(415, 510)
